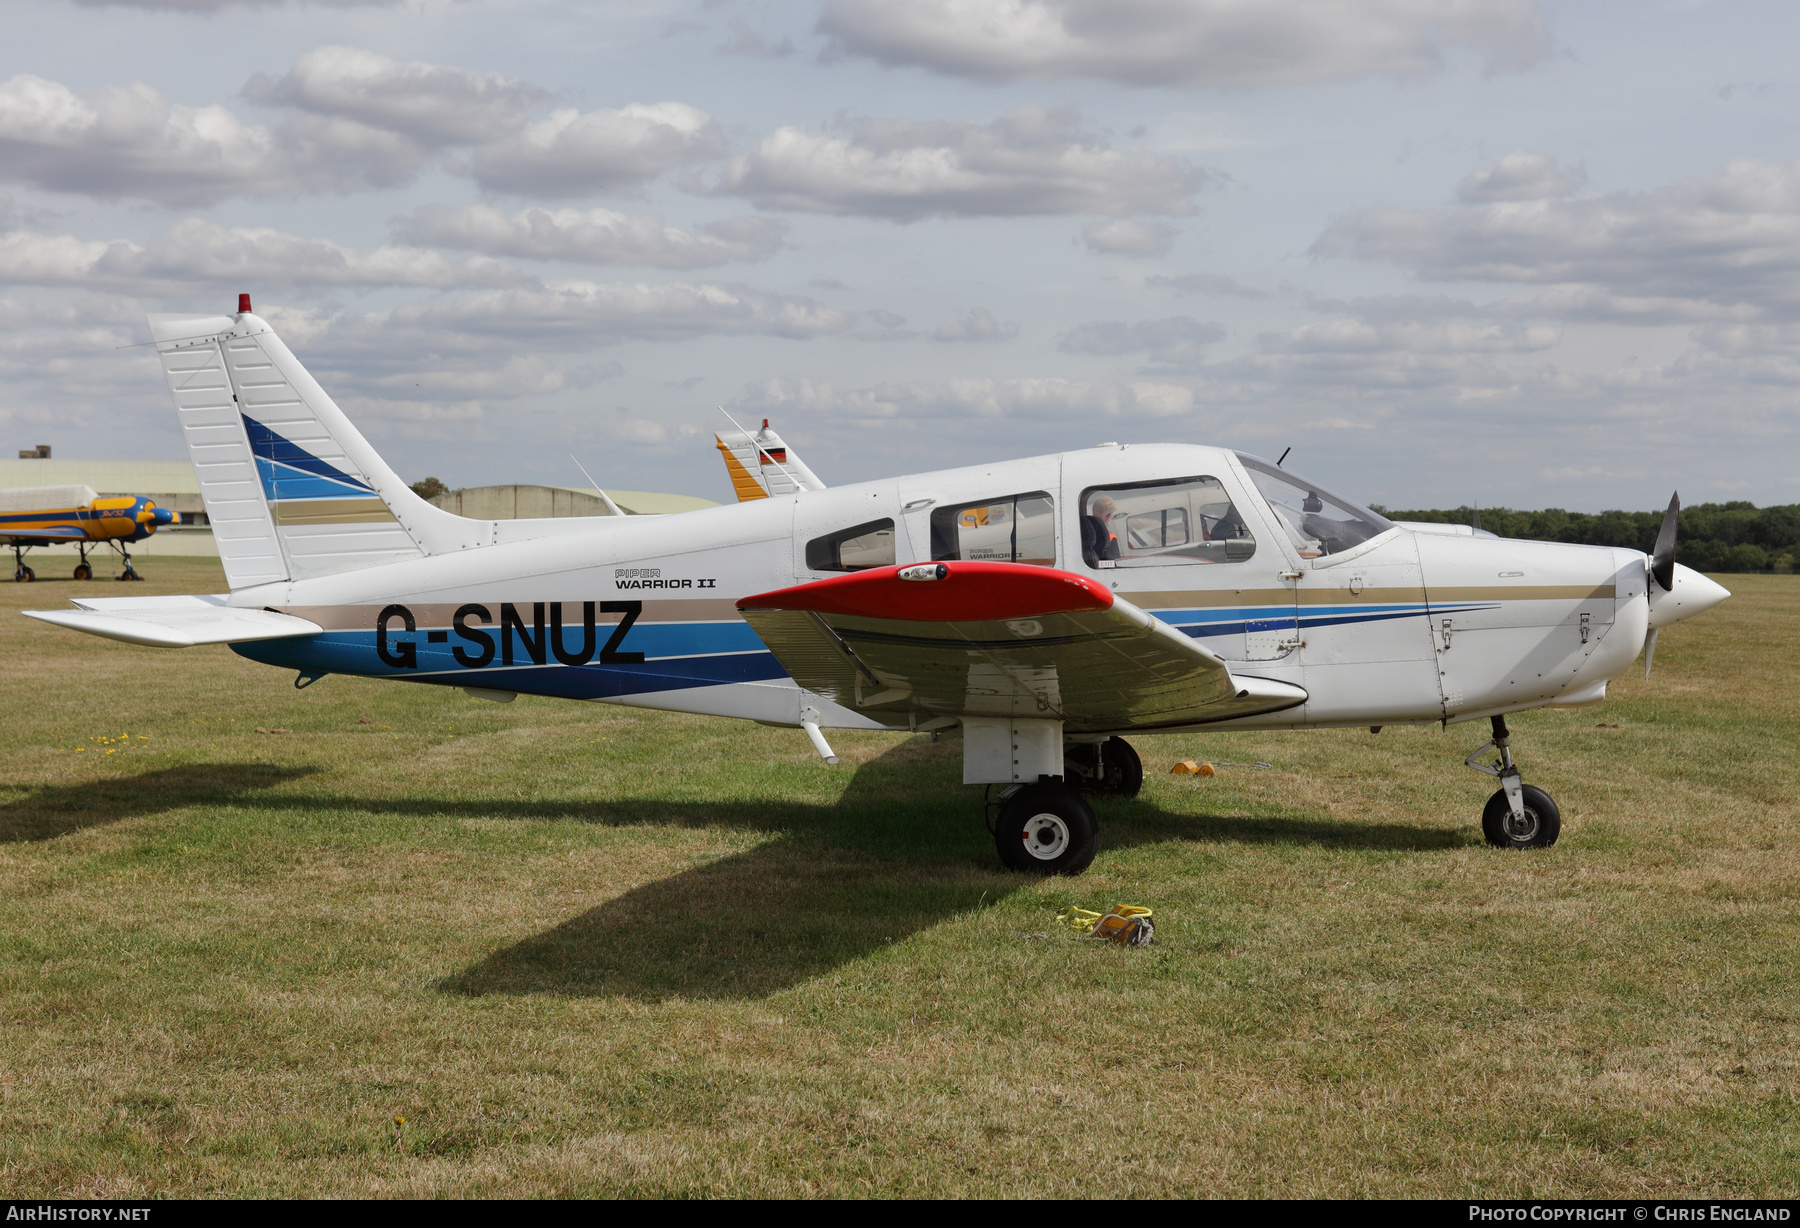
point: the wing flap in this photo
(174, 622)
(999, 639)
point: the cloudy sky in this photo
(1525, 253)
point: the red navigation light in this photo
(243, 303)
(765, 424)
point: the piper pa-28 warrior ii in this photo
(1044, 608)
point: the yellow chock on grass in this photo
(1187, 767)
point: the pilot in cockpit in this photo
(1098, 541)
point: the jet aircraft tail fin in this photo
(760, 465)
(292, 489)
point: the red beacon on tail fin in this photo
(243, 304)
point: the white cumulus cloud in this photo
(1231, 44)
(431, 103)
(1032, 161)
(591, 236)
(196, 251)
(978, 325)
(575, 153)
(1522, 175)
(1177, 340)
(1726, 246)
(1125, 237)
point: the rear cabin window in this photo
(1159, 524)
(1012, 529)
(853, 549)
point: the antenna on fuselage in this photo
(1477, 525)
(1290, 448)
(611, 507)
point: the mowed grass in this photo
(585, 950)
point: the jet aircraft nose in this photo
(1692, 593)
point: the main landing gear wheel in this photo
(129, 574)
(84, 572)
(1046, 829)
(1111, 767)
(1538, 829)
(24, 575)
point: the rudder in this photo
(292, 489)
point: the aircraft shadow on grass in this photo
(901, 851)
(48, 811)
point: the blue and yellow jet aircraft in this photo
(54, 515)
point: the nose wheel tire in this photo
(1537, 830)
(1046, 829)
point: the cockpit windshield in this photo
(1319, 522)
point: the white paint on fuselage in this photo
(1376, 656)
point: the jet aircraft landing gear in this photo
(1045, 828)
(1518, 816)
(21, 573)
(1111, 767)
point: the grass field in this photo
(585, 950)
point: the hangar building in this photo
(172, 485)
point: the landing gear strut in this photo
(1045, 828)
(130, 572)
(1111, 767)
(22, 573)
(1518, 816)
(82, 570)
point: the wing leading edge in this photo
(909, 645)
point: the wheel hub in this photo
(1521, 828)
(1045, 836)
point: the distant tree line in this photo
(1709, 536)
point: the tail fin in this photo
(292, 489)
(761, 465)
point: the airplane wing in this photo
(174, 622)
(999, 639)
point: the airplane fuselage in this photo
(1404, 627)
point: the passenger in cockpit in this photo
(1098, 541)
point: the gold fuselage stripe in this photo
(331, 511)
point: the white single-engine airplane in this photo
(1044, 607)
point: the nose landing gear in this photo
(1518, 815)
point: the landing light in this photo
(923, 571)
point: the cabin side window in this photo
(1012, 529)
(853, 549)
(1160, 524)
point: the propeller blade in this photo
(1649, 651)
(1662, 559)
